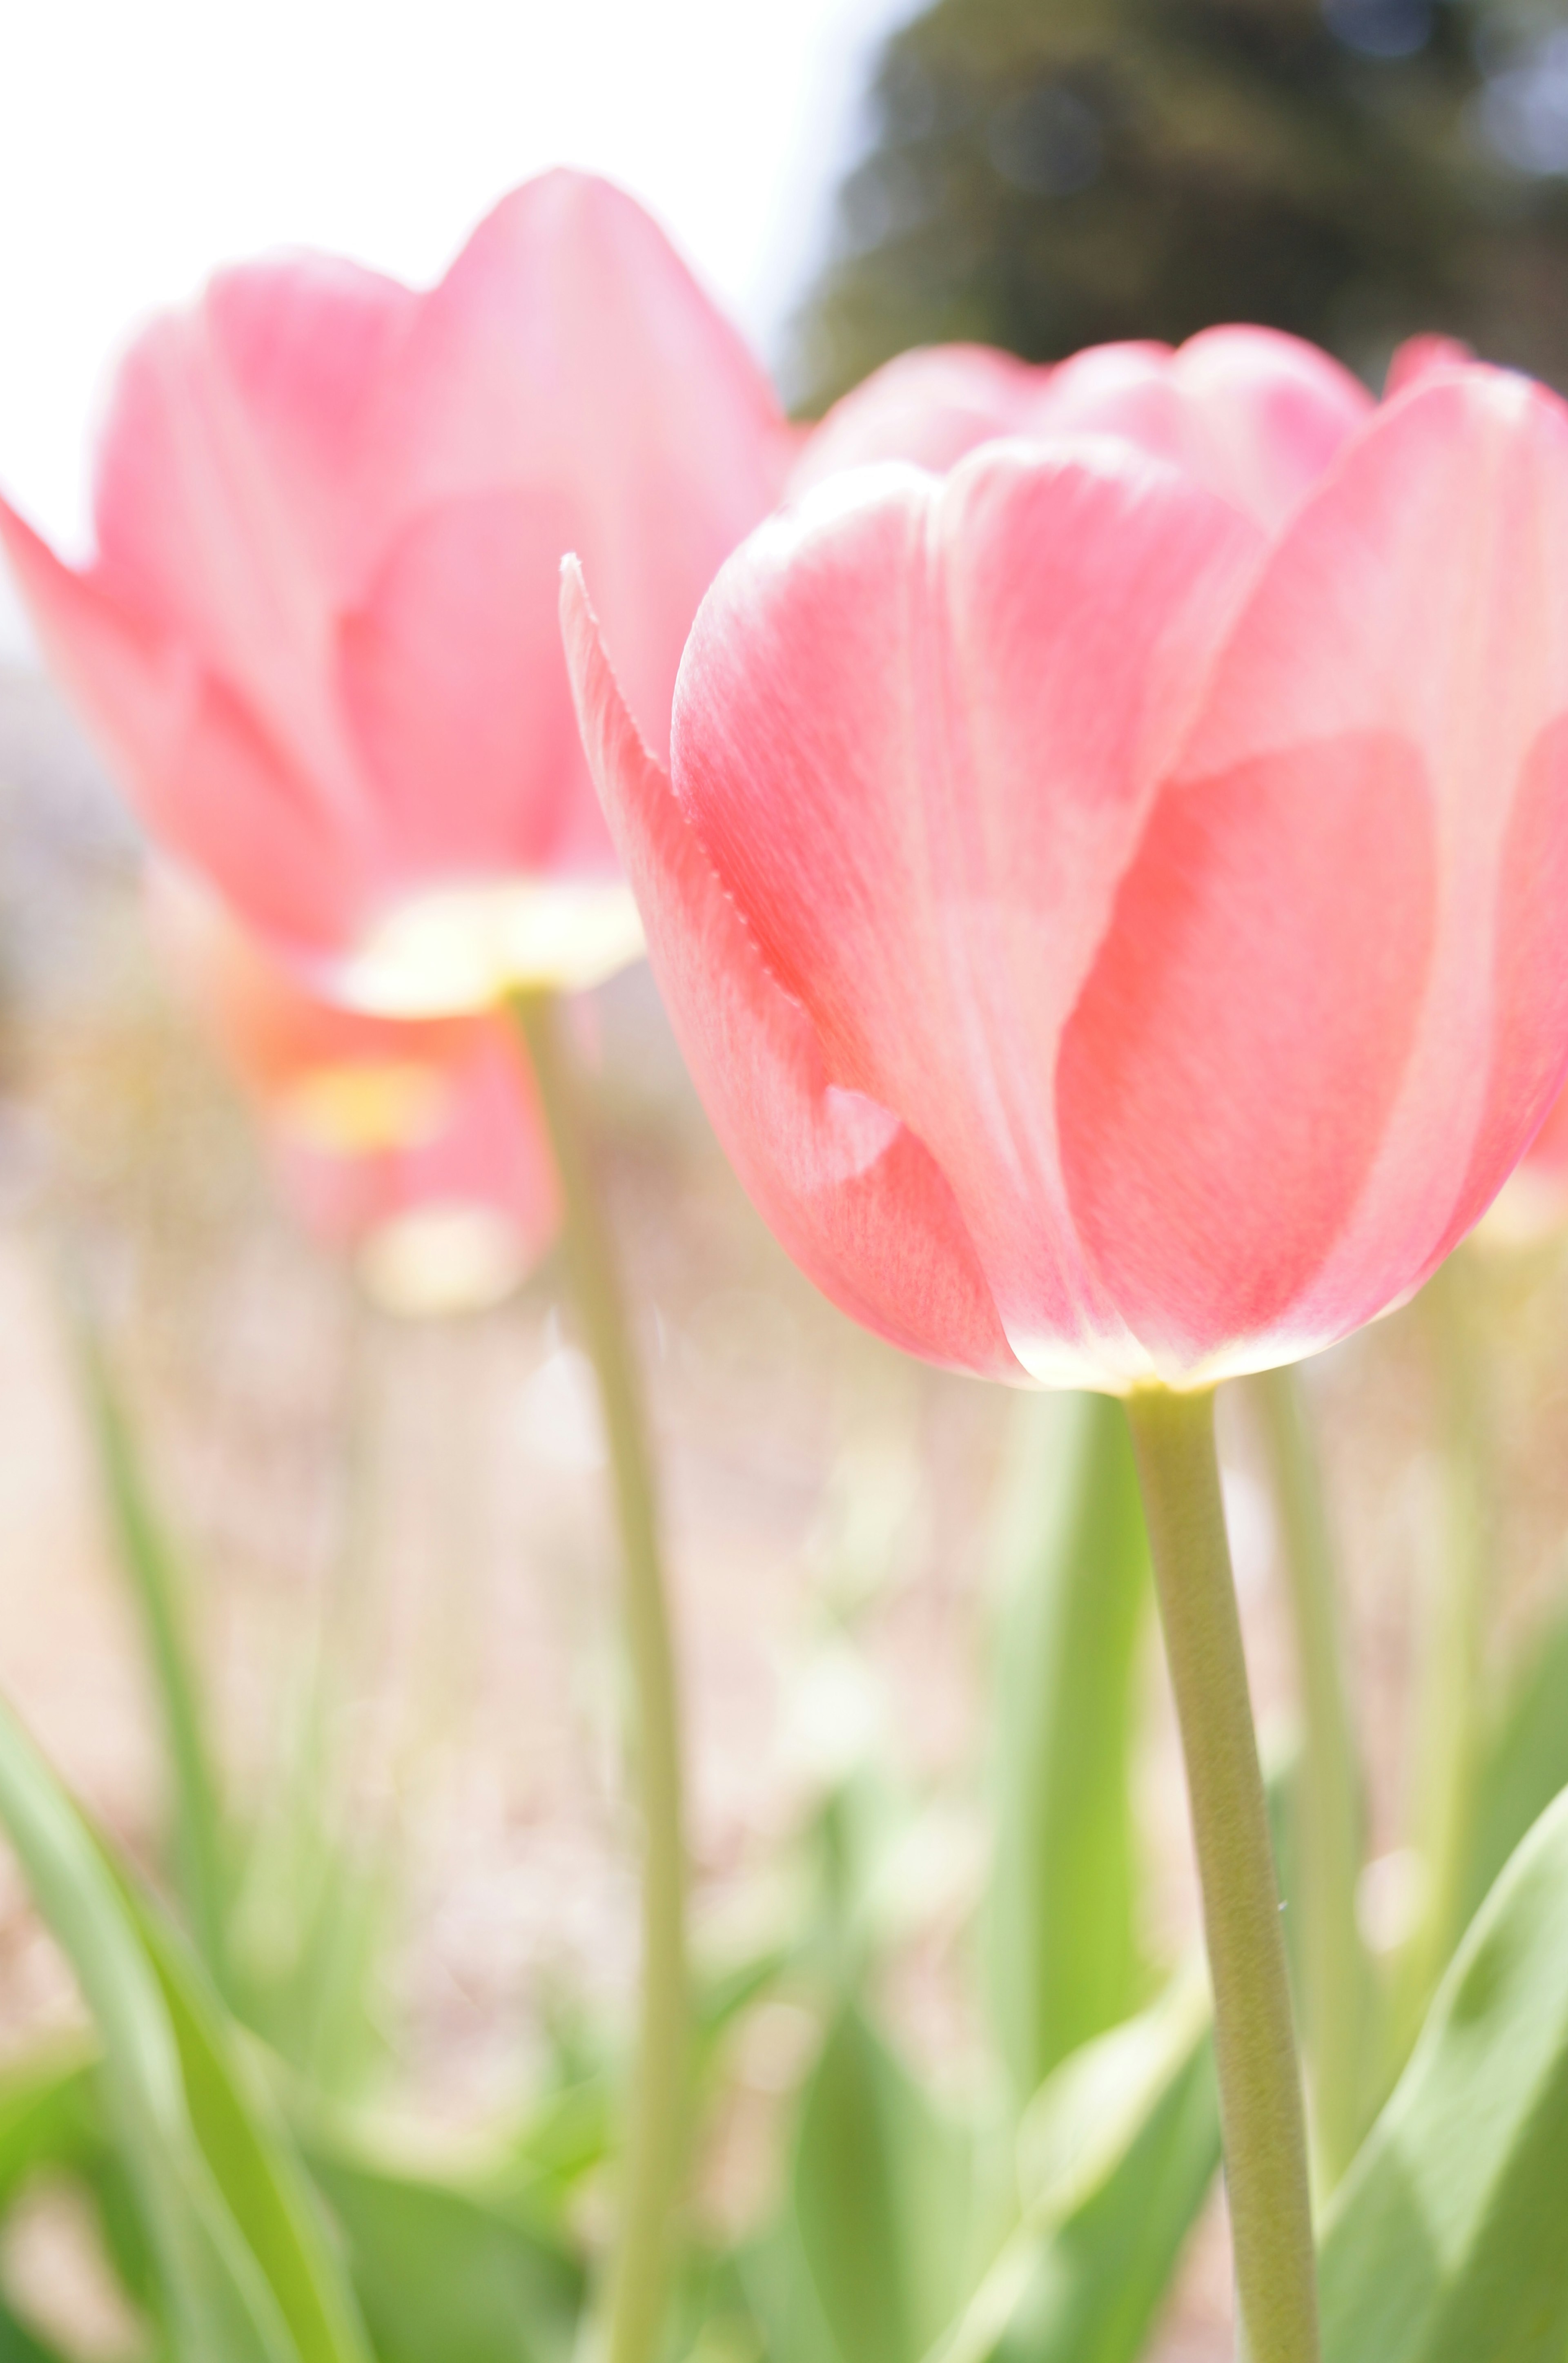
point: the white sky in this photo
(146, 141)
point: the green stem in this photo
(1337, 1991)
(656, 2138)
(1260, 2088)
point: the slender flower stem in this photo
(656, 2138)
(1338, 1995)
(1259, 2087)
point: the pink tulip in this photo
(443, 1220)
(319, 637)
(1109, 897)
(1254, 416)
(418, 1145)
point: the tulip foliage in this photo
(1100, 834)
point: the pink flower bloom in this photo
(319, 636)
(1109, 897)
(444, 1221)
(417, 1144)
(1254, 416)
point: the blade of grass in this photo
(1060, 1947)
(1116, 2153)
(1444, 2242)
(251, 2155)
(200, 1857)
(218, 2305)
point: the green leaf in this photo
(1525, 1762)
(1446, 2242)
(1117, 2154)
(49, 2120)
(445, 2275)
(50, 2116)
(20, 2345)
(882, 2202)
(781, 2298)
(306, 1932)
(571, 2132)
(1060, 1952)
(252, 2157)
(159, 1595)
(218, 2302)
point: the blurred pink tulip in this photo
(1109, 897)
(1254, 416)
(444, 1220)
(319, 637)
(417, 1145)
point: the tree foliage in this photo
(1043, 174)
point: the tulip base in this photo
(655, 2153)
(1260, 2085)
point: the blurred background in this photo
(418, 1504)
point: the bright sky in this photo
(148, 140)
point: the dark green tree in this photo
(1044, 174)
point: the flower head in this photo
(1109, 893)
(319, 636)
(416, 1146)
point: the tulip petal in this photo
(569, 345)
(203, 773)
(130, 681)
(1410, 631)
(229, 800)
(1254, 416)
(1226, 1077)
(918, 729)
(1421, 357)
(1252, 413)
(928, 407)
(233, 502)
(450, 1220)
(851, 1194)
(231, 480)
(452, 673)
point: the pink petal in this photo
(850, 1192)
(452, 677)
(928, 406)
(490, 1151)
(1421, 357)
(568, 346)
(230, 803)
(919, 729)
(132, 682)
(199, 766)
(1227, 1077)
(1395, 1038)
(1256, 416)
(272, 1030)
(233, 499)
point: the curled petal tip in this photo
(1423, 357)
